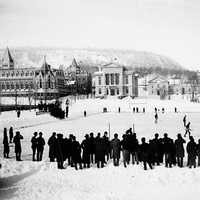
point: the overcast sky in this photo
(168, 27)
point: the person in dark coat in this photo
(192, 152)
(125, 149)
(157, 149)
(6, 149)
(85, 113)
(198, 153)
(11, 134)
(18, 113)
(115, 148)
(92, 147)
(179, 148)
(67, 151)
(100, 149)
(168, 150)
(187, 129)
(52, 147)
(59, 150)
(40, 146)
(145, 154)
(156, 118)
(133, 147)
(76, 153)
(85, 145)
(184, 120)
(34, 145)
(67, 111)
(18, 149)
(107, 145)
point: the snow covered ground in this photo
(32, 180)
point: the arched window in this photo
(7, 86)
(26, 86)
(21, 86)
(40, 82)
(17, 86)
(3, 86)
(12, 86)
(49, 82)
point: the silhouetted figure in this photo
(133, 109)
(52, 147)
(6, 148)
(59, 150)
(84, 113)
(155, 109)
(137, 109)
(156, 118)
(163, 110)
(184, 120)
(100, 149)
(40, 146)
(198, 152)
(192, 152)
(187, 129)
(76, 153)
(115, 148)
(168, 150)
(11, 134)
(179, 150)
(133, 147)
(145, 154)
(143, 110)
(67, 111)
(34, 145)
(107, 145)
(85, 145)
(157, 150)
(92, 147)
(175, 109)
(18, 113)
(125, 149)
(18, 149)
(119, 110)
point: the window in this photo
(12, 86)
(21, 85)
(107, 92)
(107, 79)
(117, 79)
(49, 82)
(40, 83)
(117, 91)
(17, 86)
(7, 86)
(126, 79)
(99, 90)
(112, 79)
(3, 86)
(126, 90)
(99, 80)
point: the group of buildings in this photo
(46, 82)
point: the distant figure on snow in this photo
(156, 118)
(11, 134)
(184, 120)
(187, 129)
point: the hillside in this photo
(25, 57)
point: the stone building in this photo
(39, 83)
(77, 80)
(115, 80)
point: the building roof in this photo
(7, 58)
(158, 79)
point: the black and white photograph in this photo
(99, 99)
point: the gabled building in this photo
(115, 80)
(158, 86)
(38, 83)
(77, 80)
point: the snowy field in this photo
(42, 180)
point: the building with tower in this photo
(39, 83)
